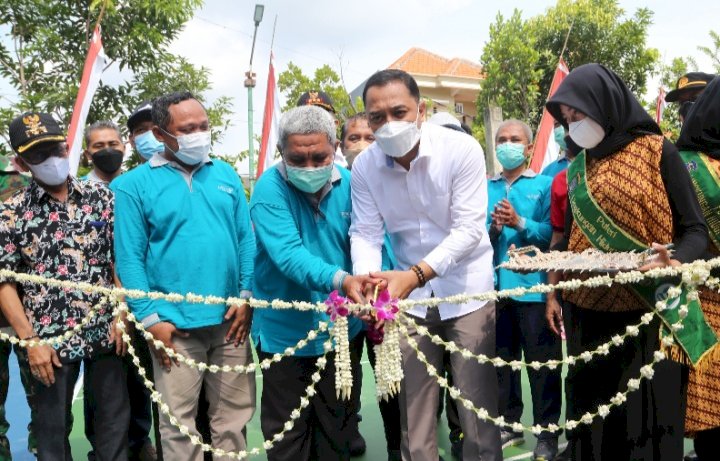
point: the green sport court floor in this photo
(371, 425)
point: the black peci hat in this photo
(316, 98)
(34, 128)
(142, 112)
(689, 82)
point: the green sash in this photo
(705, 175)
(696, 337)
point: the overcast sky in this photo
(371, 34)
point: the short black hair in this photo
(350, 121)
(161, 106)
(383, 77)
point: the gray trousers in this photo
(419, 392)
(230, 396)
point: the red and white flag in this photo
(94, 65)
(546, 150)
(660, 105)
(271, 124)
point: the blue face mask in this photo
(310, 179)
(510, 155)
(560, 137)
(147, 145)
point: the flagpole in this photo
(567, 37)
(250, 84)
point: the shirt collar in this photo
(159, 160)
(93, 177)
(38, 192)
(528, 173)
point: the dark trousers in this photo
(30, 386)
(389, 409)
(321, 432)
(105, 379)
(650, 424)
(574, 347)
(707, 444)
(522, 330)
(142, 413)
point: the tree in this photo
(43, 52)
(510, 63)
(293, 83)
(669, 73)
(713, 51)
(599, 32)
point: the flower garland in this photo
(343, 367)
(195, 439)
(695, 273)
(55, 340)
(386, 344)
(587, 356)
(646, 372)
(251, 368)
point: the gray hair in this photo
(306, 120)
(101, 125)
(515, 122)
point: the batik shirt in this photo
(68, 241)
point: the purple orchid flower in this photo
(336, 305)
(385, 306)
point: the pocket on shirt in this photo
(438, 207)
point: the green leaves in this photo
(43, 53)
(520, 58)
(293, 83)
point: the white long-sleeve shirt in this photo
(435, 212)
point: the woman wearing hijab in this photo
(628, 190)
(699, 145)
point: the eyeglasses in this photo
(39, 154)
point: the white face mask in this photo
(587, 133)
(193, 148)
(398, 137)
(52, 172)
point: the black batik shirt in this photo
(68, 241)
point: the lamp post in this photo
(250, 84)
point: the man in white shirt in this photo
(427, 188)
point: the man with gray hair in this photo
(301, 212)
(519, 215)
(104, 149)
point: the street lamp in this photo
(250, 84)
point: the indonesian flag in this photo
(546, 150)
(94, 65)
(660, 105)
(271, 125)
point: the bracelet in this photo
(28, 338)
(420, 275)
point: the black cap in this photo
(33, 128)
(316, 98)
(689, 82)
(142, 113)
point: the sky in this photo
(369, 35)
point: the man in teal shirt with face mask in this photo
(301, 212)
(519, 215)
(184, 227)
